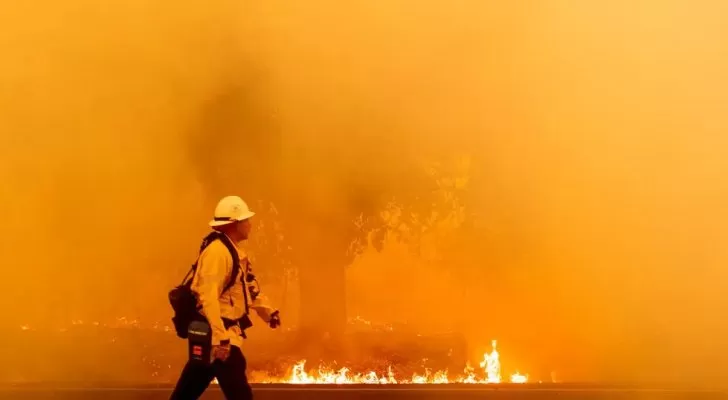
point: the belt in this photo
(229, 323)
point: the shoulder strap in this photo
(211, 237)
(236, 269)
(236, 261)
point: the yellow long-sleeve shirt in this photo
(214, 269)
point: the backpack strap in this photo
(236, 269)
(212, 236)
(236, 263)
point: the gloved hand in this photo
(220, 352)
(275, 319)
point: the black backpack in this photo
(184, 302)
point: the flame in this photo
(518, 378)
(491, 365)
(324, 375)
(469, 374)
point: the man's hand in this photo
(221, 352)
(275, 319)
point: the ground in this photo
(401, 392)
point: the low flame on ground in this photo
(490, 365)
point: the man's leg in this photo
(192, 383)
(231, 376)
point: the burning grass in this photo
(489, 372)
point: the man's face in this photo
(244, 228)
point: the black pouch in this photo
(199, 341)
(184, 305)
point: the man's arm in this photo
(212, 271)
(262, 308)
(259, 302)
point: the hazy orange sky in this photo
(597, 135)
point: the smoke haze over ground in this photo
(596, 227)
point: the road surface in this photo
(383, 392)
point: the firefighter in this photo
(224, 301)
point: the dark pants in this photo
(230, 375)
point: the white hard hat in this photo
(230, 209)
